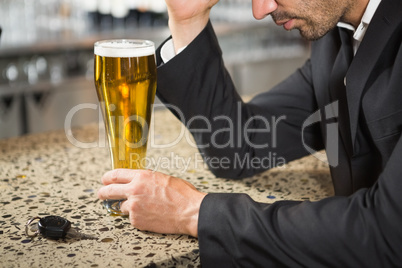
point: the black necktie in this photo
(338, 86)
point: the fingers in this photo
(119, 183)
(113, 191)
(125, 207)
(119, 176)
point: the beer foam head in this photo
(124, 48)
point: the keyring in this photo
(29, 222)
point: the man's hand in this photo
(187, 18)
(155, 202)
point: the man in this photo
(355, 82)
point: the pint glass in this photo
(125, 80)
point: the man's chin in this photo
(311, 35)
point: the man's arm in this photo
(199, 91)
(362, 230)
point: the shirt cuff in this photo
(168, 52)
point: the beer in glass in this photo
(125, 80)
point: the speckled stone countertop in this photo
(47, 174)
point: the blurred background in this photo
(46, 53)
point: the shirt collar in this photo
(366, 19)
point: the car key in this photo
(54, 227)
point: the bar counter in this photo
(57, 174)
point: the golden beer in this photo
(125, 80)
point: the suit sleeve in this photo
(197, 88)
(362, 230)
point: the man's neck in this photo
(354, 12)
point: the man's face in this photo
(313, 18)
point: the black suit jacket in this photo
(361, 225)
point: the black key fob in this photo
(54, 227)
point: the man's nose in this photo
(262, 8)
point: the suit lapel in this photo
(387, 17)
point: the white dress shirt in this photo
(362, 28)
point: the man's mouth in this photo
(287, 24)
